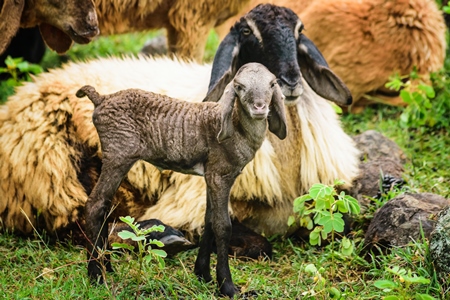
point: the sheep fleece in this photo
(49, 146)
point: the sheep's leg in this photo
(202, 264)
(219, 188)
(97, 209)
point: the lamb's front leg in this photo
(97, 209)
(203, 261)
(219, 188)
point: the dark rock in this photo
(398, 222)
(367, 184)
(373, 146)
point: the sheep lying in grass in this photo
(367, 41)
(214, 140)
(60, 22)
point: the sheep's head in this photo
(272, 35)
(259, 96)
(60, 21)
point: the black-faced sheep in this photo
(367, 41)
(213, 140)
(60, 22)
(51, 156)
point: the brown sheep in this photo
(60, 22)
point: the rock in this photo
(440, 244)
(367, 184)
(155, 46)
(373, 146)
(398, 222)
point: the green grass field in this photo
(32, 268)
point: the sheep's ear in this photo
(277, 115)
(320, 78)
(226, 123)
(224, 66)
(10, 14)
(55, 38)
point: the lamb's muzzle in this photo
(215, 140)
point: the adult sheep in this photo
(367, 41)
(50, 150)
(60, 22)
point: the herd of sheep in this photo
(52, 155)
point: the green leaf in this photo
(125, 234)
(138, 238)
(332, 222)
(157, 243)
(446, 9)
(291, 220)
(346, 247)
(311, 269)
(340, 204)
(424, 297)
(314, 236)
(391, 297)
(122, 246)
(334, 293)
(161, 262)
(406, 96)
(159, 252)
(159, 228)
(127, 220)
(429, 91)
(385, 284)
(319, 190)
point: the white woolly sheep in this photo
(367, 41)
(60, 22)
(51, 157)
(213, 140)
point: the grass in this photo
(32, 268)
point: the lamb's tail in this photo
(92, 94)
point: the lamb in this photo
(51, 155)
(367, 41)
(214, 140)
(60, 22)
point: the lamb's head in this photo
(60, 21)
(272, 35)
(259, 97)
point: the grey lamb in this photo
(211, 139)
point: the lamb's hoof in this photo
(205, 277)
(229, 290)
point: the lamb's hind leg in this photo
(97, 209)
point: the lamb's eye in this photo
(246, 31)
(238, 87)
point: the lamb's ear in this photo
(224, 66)
(316, 72)
(277, 115)
(226, 122)
(10, 15)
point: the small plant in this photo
(424, 109)
(320, 284)
(324, 214)
(399, 287)
(18, 71)
(145, 253)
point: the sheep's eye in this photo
(273, 84)
(238, 87)
(246, 31)
(300, 28)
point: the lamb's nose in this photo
(259, 106)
